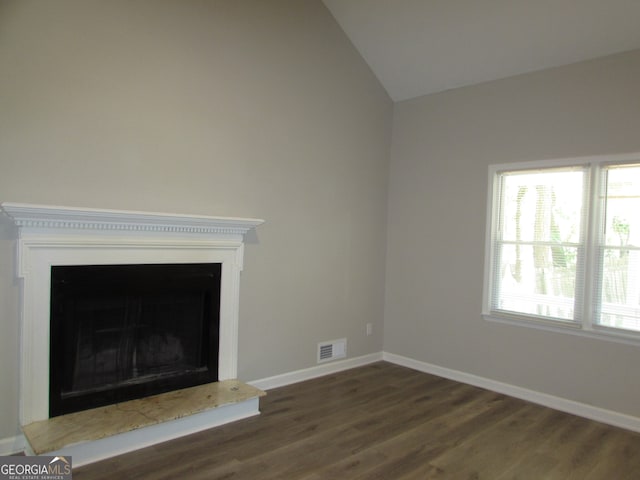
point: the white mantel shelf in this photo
(73, 218)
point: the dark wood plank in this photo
(383, 421)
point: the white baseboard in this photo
(557, 403)
(11, 445)
(314, 372)
(17, 444)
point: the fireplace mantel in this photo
(53, 235)
(52, 218)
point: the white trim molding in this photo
(609, 417)
(49, 236)
(67, 218)
(557, 403)
(314, 372)
(12, 445)
(16, 444)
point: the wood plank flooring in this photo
(387, 422)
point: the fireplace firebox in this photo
(120, 332)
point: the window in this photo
(563, 245)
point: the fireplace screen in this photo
(120, 332)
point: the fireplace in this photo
(121, 332)
(49, 237)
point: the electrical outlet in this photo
(369, 328)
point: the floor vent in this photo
(331, 350)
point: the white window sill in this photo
(571, 328)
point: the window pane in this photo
(538, 240)
(622, 206)
(621, 289)
(537, 280)
(542, 206)
(620, 278)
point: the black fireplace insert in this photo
(120, 332)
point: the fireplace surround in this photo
(49, 236)
(122, 332)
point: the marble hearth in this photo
(93, 435)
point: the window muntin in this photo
(563, 250)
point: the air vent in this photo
(331, 350)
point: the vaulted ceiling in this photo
(417, 47)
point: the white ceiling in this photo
(417, 47)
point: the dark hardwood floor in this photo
(383, 421)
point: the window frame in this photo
(586, 297)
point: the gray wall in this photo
(264, 109)
(442, 145)
(236, 108)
